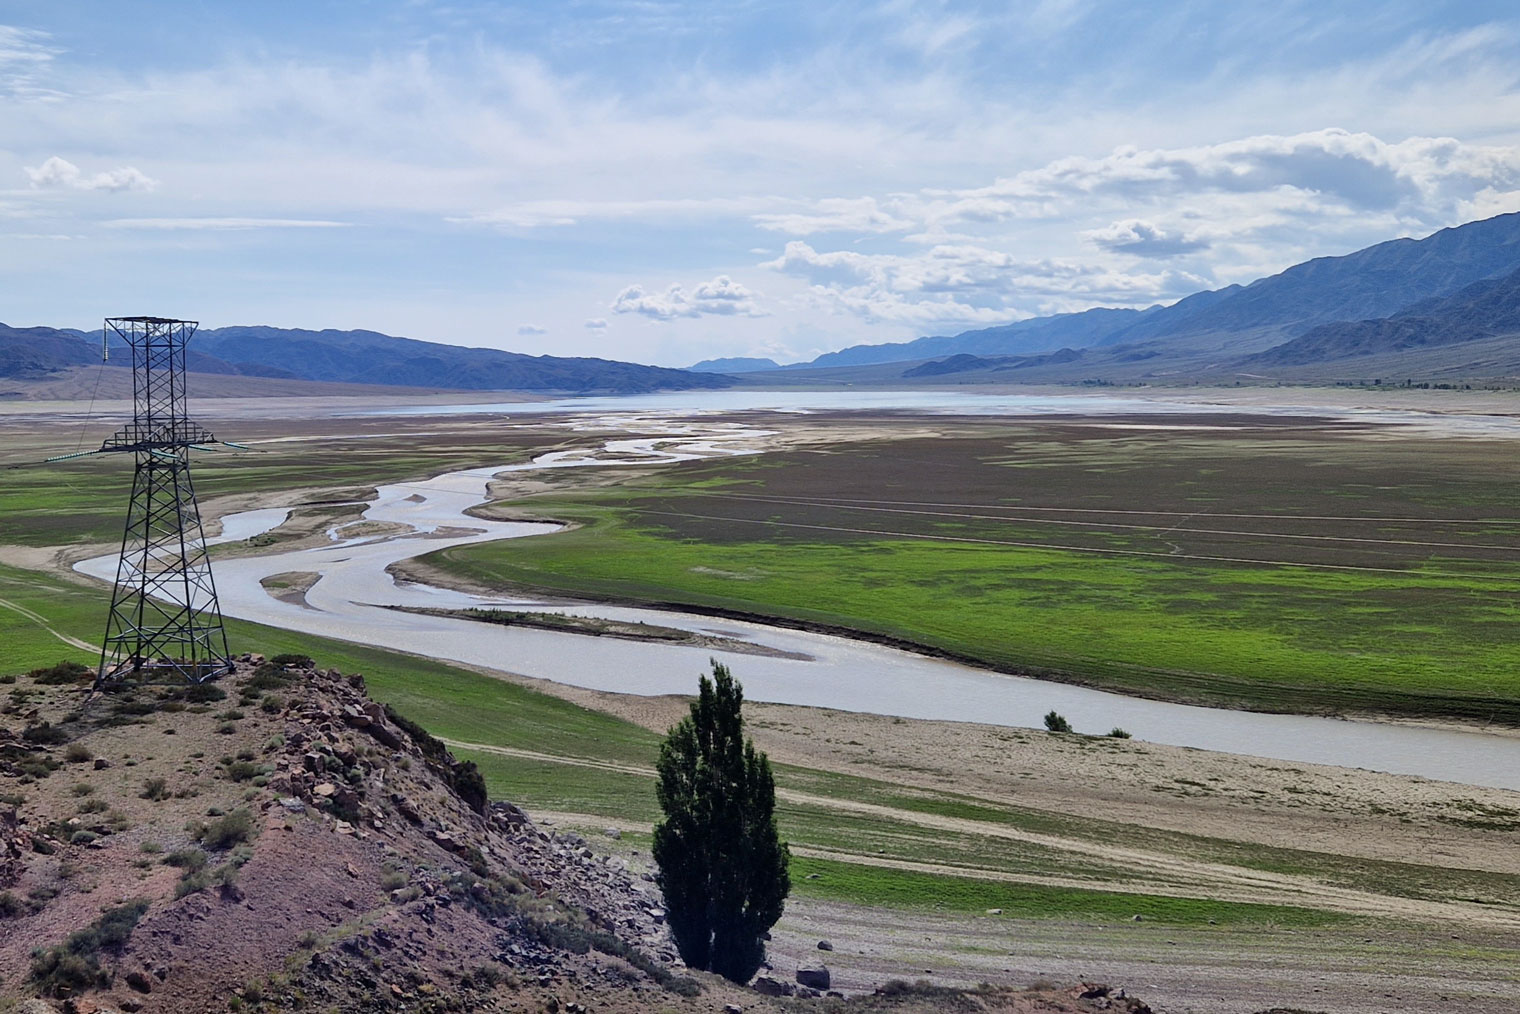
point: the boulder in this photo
(768, 986)
(814, 978)
(385, 735)
(824, 945)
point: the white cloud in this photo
(722, 297)
(837, 214)
(223, 224)
(966, 155)
(1421, 176)
(596, 324)
(59, 173)
(24, 55)
(1144, 239)
(565, 212)
(1256, 204)
(967, 284)
(530, 329)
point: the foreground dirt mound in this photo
(279, 841)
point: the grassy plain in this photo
(84, 500)
(550, 754)
(1289, 564)
(870, 836)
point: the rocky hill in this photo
(279, 841)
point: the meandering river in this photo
(348, 602)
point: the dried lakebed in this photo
(355, 599)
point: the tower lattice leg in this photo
(165, 625)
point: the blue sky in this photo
(664, 182)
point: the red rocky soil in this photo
(331, 857)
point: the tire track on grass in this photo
(1174, 876)
(1404, 572)
(42, 622)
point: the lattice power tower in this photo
(165, 624)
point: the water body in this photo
(949, 402)
(348, 603)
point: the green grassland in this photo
(85, 500)
(1289, 568)
(889, 888)
(590, 763)
(842, 537)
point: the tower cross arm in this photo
(139, 436)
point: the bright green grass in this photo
(461, 705)
(469, 707)
(889, 888)
(1278, 638)
(567, 788)
(86, 500)
(70, 609)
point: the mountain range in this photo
(739, 364)
(1442, 308)
(355, 357)
(1445, 291)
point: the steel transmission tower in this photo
(165, 625)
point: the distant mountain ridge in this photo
(1373, 283)
(735, 364)
(1485, 309)
(1024, 337)
(355, 357)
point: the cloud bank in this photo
(1248, 204)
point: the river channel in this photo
(348, 603)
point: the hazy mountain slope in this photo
(1484, 309)
(31, 352)
(737, 364)
(367, 357)
(963, 363)
(1166, 319)
(1024, 337)
(353, 357)
(1375, 282)
(1199, 331)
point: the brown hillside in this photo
(277, 841)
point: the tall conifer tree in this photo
(723, 868)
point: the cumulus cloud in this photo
(596, 324)
(1257, 204)
(1423, 176)
(61, 174)
(531, 329)
(721, 297)
(959, 283)
(1144, 239)
(1427, 180)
